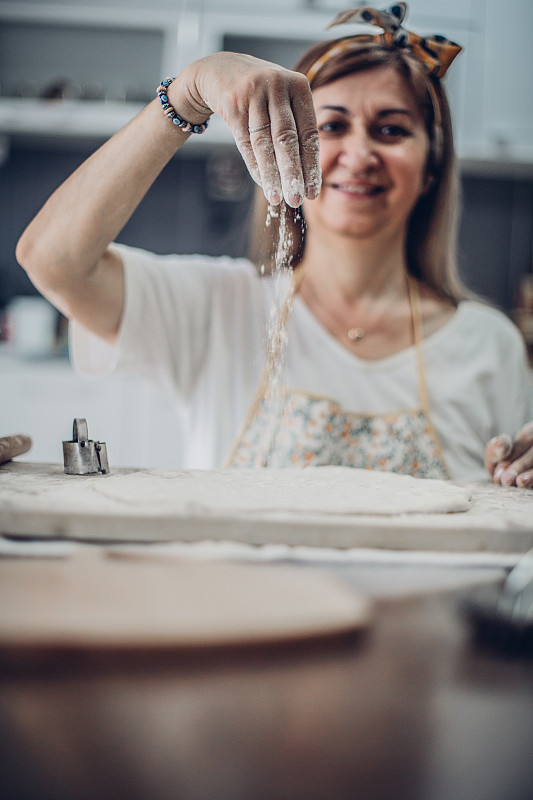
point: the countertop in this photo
(39, 500)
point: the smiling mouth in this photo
(361, 191)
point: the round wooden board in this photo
(99, 602)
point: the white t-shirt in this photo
(198, 326)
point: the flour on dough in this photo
(314, 490)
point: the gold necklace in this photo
(356, 334)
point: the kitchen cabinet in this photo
(81, 52)
(42, 397)
(508, 66)
(126, 47)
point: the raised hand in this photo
(271, 115)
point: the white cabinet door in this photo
(242, 6)
(138, 422)
(508, 86)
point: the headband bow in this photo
(435, 52)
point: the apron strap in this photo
(418, 331)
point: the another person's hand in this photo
(511, 462)
(271, 115)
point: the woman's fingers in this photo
(277, 151)
(496, 451)
(271, 114)
(262, 144)
(295, 138)
(515, 467)
(243, 140)
(305, 118)
(283, 140)
(525, 479)
(519, 470)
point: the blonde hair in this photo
(432, 228)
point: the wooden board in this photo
(93, 601)
(500, 520)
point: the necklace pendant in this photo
(356, 334)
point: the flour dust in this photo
(288, 222)
(282, 293)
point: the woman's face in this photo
(373, 152)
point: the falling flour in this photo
(276, 329)
(281, 306)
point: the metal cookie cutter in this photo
(82, 456)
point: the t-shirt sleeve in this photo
(175, 307)
(479, 385)
(522, 390)
(510, 390)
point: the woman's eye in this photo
(392, 132)
(333, 126)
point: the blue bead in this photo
(163, 98)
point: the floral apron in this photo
(292, 428)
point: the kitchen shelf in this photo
(45, 122)
(35, 118)
(38, 121)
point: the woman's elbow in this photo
(38, 264)
(23, 251)
(27, 255)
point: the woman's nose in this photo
(358, 151)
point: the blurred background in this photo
(73, 72)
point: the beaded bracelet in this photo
(172, 114)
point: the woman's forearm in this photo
(71, 233)
(65, 249)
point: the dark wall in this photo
(200, 204)
(496, 236)
(197, 205)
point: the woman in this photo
(375, 359)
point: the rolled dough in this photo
(317, 490)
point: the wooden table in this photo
(412, 709)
